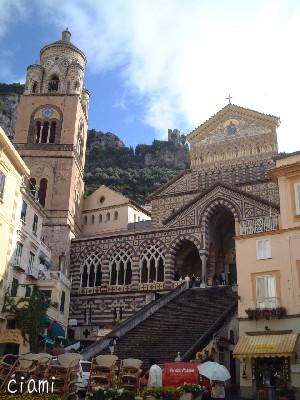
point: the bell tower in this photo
(51, 133)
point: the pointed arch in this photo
(91, 271)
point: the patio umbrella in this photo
(214, 371)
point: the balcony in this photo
(151, 286)
(19, 266)
(32, 272)
(267, 308)
(259, 225)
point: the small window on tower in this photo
(34, 87)
(53, 84)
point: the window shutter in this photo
(297, 197)
(270, 286)
(259, 249)
(260, 287)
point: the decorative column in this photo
(105, 274)
(48, 134)
(203, 269)
(41, 132)
(135, 280)
(169, 270)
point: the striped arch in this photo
(210, 209)
(172, 251)
(120, 246)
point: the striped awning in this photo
(265, 346)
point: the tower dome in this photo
(60, 71)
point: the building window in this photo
(108, 216)
(62, 264)
(100, 218)
(152, 265)
(23, 211)
(53, 84)
(62, 302)
(31, 262)
(18, 253)
(134, 218)
(91, 274)
(45, 131)
(2, 182)
(85, 220)
(139, 218)
(120, 268)
(42, 191)
(266, 291)
(297, 197)
(35, 223)
(116, 215)
(14, 287)
(93, 219)
(27, 291)
(47, 295)
(263, 249)
(32, 187)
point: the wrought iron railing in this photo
(258, 225)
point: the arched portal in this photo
(221, 244)
(187, 260)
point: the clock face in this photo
(47, 112)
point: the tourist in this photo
(155, 374)
(217, 390)
(187, 281)
(222, 277)
(198, 281)
(193, 281)
(178, 357)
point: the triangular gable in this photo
(104, 197)
(231, 111)
(243, 205)
(179, 183)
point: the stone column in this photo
(169, 270)
(203, 269)
(135, 280)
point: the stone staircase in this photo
(185, 323)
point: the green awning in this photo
(56, 330)
(47, 339)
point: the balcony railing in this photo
(32, 272)
(152, 286)
(258, 225)
(267, 302)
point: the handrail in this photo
(188, 354)
(131, 322)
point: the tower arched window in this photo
(152, 265)
(100, 218)
(42, 191)
(53, 84)
(93, 219)
(108, 216)
(116, 215)
(91, 273)
(120, 268)
(34, 87)
(45, 132)
(38, 132)
(52, 132)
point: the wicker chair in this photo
(24, 370)
(65, 370)
(103, 372)
(7, 366)
(130, 374)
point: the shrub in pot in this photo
(190, 391)
(161, 393)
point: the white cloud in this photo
(184, 57)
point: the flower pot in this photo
(186, 396)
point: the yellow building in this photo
(12, 171)
(268, 266)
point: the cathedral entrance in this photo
(221, 256)
(187, 260)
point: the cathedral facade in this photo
(195, 217)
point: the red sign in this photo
(177, 373)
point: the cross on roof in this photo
(229, 99)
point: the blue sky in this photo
(159, 64)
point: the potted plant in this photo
(191, 391)
(161, 393)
